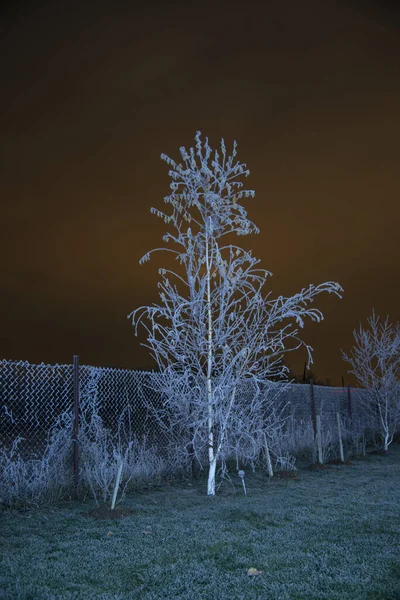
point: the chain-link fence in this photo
(33, 396)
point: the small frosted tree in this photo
(376, 365)
(220, 331)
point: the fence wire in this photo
(32, 397)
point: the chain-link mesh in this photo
(296, 401)
(33, 396)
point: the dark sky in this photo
(90, 98)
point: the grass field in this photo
(330, 533)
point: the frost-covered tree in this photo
(218, 331)
(376, 365)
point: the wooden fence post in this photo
(76, 424)
(340, 437)
(319, 440)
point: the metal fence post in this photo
(76, 424)
(313, 408)
(349, 402)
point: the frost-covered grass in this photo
(329, 532)
(333, 533)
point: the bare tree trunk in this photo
(212, 458)
(269, 464)
(211, 477)
(387, 438)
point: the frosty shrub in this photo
(50, 478)
(376, 364)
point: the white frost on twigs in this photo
(219, 331)
(376, 364)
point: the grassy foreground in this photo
(331, 533)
